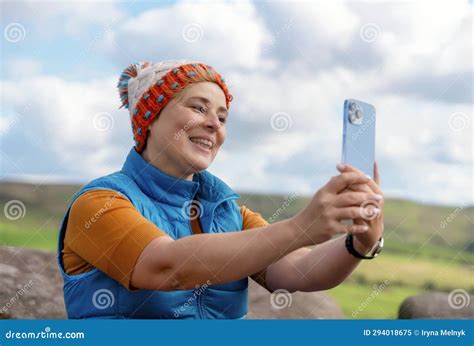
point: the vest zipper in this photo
(203, 291)
(199, 305)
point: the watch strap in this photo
(353, 251)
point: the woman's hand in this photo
(369, 216)
(320, 220)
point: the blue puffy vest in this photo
(161, 199)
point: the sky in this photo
(289, 66)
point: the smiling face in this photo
(189, 131)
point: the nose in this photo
(212, 121)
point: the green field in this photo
(402, 277)
(427, 247)
(383, 305)
(44, 239)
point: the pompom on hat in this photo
(145, 88)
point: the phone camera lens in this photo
(352, 106)
(352, 117)
(358, 114)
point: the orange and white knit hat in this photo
(146, 88)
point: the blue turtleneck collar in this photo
(171, 190)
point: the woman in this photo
(164, 238)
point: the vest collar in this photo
(171, 190)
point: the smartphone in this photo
(358, 140)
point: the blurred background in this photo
(289, 65)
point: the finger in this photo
(358, 188)
(354, 229)
(376, 172)
(360, 222)
(364, 188)
(355, 199)
(343, 168)
(366, 213)
(343, 180)
(370, 210)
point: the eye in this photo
(200, 109)
(223, 120)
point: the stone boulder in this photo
(458, 304)
(30, 285)
(297, 305)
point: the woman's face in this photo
(189, 131)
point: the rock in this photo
(30, 285)
(297, 305)
(458, 304)
(31, 288)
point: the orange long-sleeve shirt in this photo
(105, 231)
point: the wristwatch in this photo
(376, 249)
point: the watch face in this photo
(377, 251)
(377, 248)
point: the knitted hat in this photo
(146, 88)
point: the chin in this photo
(198, 163)
(201, 165)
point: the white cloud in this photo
(47, 20)
(422, 45)
(416, 47)
(21, 68)
(220, 34)
(330, 24)
(78, 125)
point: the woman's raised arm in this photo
(167, 264)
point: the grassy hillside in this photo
(427, 247)
(44, 208)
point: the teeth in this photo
(203, 141)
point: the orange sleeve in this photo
(251, 219)
(105, 230)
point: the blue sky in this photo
(299, 60)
